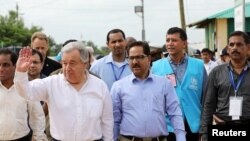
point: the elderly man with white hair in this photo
(78, 111)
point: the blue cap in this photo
(59, 57)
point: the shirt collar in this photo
(67, 82)
(211, 62)
(134, 79)
(109, 59)
(230, 67)
(184, 60)
(1, 85)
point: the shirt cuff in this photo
(20, 76)
(181, 136)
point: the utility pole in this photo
(140, 9)
(17, 12)
(182, 16)
(143, 25)
(239, 15)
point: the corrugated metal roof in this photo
(226, 14)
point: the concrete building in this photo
(219, 26)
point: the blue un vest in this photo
(189, 91)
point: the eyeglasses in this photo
(137, 58)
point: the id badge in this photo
(235, 106)
(172, 78)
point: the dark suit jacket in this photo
(50, 66)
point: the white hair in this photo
(84, 53)
(90, 49)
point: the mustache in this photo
(235, 52)
(136, 66)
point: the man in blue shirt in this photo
(113, 66)
(141, 101)
(188, 76)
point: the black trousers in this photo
(25, 138)
(189, 136)
(53, 139)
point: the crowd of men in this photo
(123, 96)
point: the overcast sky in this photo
(92, 19)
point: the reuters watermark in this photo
(221, 132)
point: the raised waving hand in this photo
(24, 62)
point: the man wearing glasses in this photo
(141, 100)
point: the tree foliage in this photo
(100, 51)
(13, 31)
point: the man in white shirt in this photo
(224, 57)
(80, 105)
(17, 115)
(206, 56)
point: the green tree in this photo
(13, 31)
(101, 51)
(105, 50)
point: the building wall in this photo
(217, 31)
(221, 34)
(230, 26)
(210, 32)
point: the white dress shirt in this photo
(210, 66)
(14, 112)
(82, 115)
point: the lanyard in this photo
(119, 76)
(236, 86)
